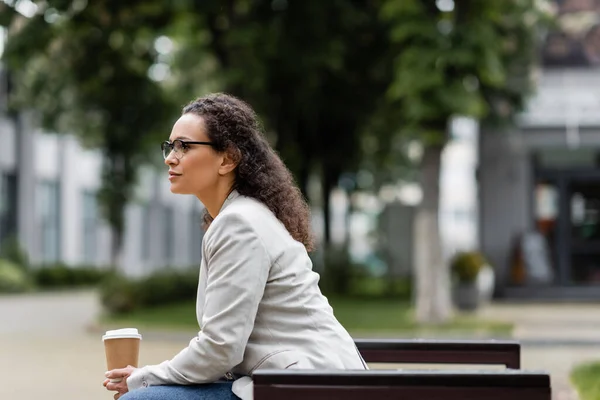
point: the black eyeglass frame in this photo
(184, 145)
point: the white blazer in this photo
(258, 306)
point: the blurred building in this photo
(540, 185)
(48, 187)
(458, 189)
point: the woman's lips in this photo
(173, 175)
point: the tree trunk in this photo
(328, 183)
(432, 280)
(303, 176)
(116, 249)
(347, 220)
(117, 183)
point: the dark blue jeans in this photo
(211, 391)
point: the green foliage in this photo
(474, 60)
(168, 286)
(339, 271)
(83, 66)
(60, 275)
(342, 276)
(13, 278)
(13, 251)
(315, 71)
(341, 84)
(585, 380)
(120, 294)
(465, 266)
(371, 287)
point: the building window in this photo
(48, 212)
(145, 234)
(8, 206)
(90, 226)
(196, 234)
(169, 232)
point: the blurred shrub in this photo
(465, 266)
(120, 294)
(341, 276)
(12, 251)
(169, 286)
(338, 271)
(398, 288)
(13, 279)
(60, 275)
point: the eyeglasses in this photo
(178, 147)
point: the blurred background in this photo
(450, 152)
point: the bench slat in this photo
(447, 378)
(403, 393)
(405, 385)
(499, 352)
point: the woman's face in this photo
(196, 168)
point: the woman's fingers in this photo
(118, 373)
(120, 386)
(116, 380)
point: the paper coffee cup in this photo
(122, 348)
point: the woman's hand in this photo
(122, 374)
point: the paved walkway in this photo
(47, 352)
(555, 337)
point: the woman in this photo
(259, 303)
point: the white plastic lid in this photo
(125, 333)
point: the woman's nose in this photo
(171, 159)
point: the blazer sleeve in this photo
(238, 267)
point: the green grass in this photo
(389, 316)
(359, 316)
(585, 379)
(173, 316)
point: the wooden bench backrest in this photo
(497, 352)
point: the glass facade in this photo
(145, 234)
(196, 234)
(48, 222)
(168, 229)
(89, 226)
(8, 206)
(566, 207)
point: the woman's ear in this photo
(231, 159)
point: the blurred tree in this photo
(454, 58)
(84, 68)
(315, 72)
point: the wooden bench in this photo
(405, 385)
(426, 351)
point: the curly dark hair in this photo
(232, 125)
